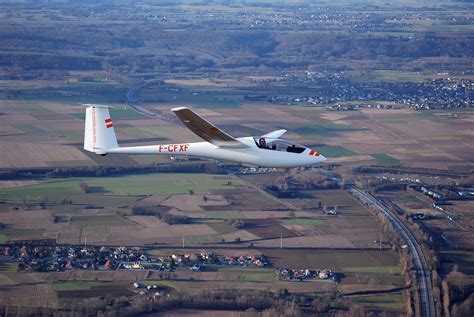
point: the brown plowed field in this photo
(96, 291)
(268, 228)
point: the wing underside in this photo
(205, 129)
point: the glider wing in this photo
(205, 129)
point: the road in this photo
(135, 104)
(423, 275)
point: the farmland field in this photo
(382, 137)
(384, 159)
(135, 185)
(227, 214)
(98, 220)
(334, 151)
(20, 234)
(8, 266)
(75, 285)
(391, 301)
(338, 260)
(302, 221)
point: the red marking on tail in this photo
(109, 126)
(108, 120)
(311, 152)
(317, 154)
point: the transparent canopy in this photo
(279, 145)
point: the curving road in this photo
(135, 104)
(423, 275)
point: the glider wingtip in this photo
(96, 105)
(179, 108)
(275, 134)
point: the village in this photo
(341, 93)
(49, 258)
(46, 258)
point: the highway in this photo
(135, 104)
(423, 275)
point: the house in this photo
(324, 274)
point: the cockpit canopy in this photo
(279, 145)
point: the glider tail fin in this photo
(99, 134)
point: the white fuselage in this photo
(252, 154)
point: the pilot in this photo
(262, 143)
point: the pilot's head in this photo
(262, 142)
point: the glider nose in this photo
(318, 156)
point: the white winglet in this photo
(275, 134)
(97, 106)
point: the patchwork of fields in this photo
(61, 210)
(50, 133)
(102, 216)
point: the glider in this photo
(265, 151)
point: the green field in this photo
(334, 151)
(324, 128)
(133, 185)
(248, 274)
(20, 234)
(30, 129)
(268, 276)
(205, 221)
(33, 107)
(150, 184)
(41, 190)
(202, 100)
(8, 266)
(385, 159)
